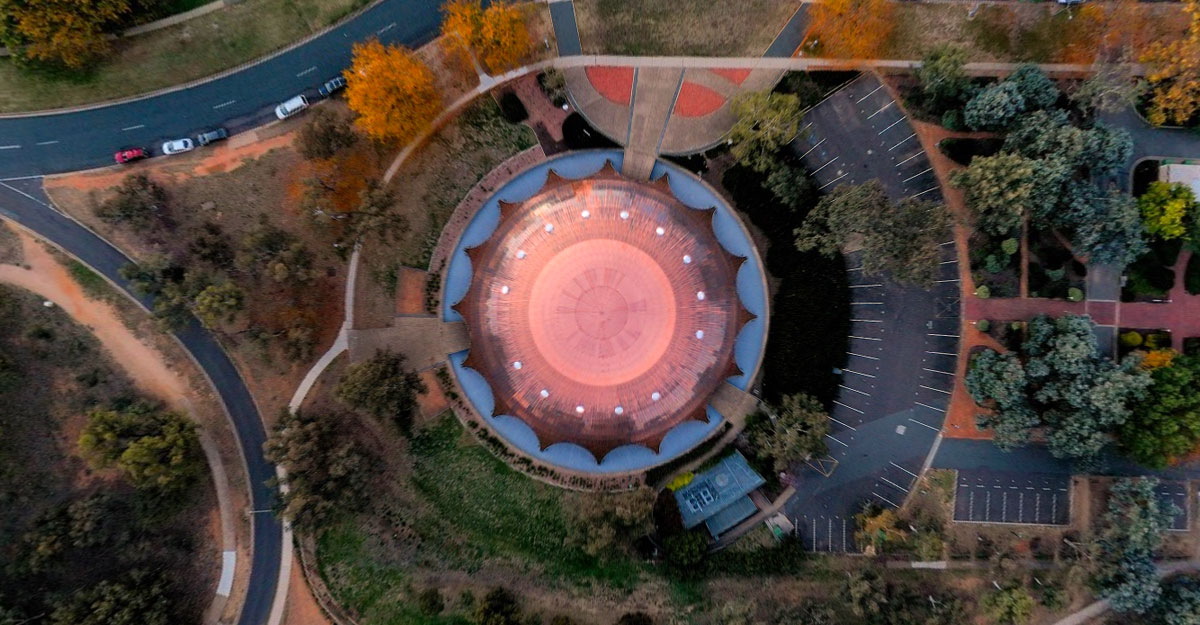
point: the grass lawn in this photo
(682, 27)
(197, 48)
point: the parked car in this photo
(291, 107)
(212, 136)
(130, 155)
(331, 86)
(178, 146)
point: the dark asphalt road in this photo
(566, 30)
(61, 142)
(24, 202)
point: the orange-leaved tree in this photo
(69, 33)
(497, 36)
(1174, 74)
(857, 29)
(392, 91)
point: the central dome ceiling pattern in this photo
(603, 312)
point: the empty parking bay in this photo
(1175, 493)
(1022, 498)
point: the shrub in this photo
(983, 325)
(635, 618)
(554, 85)
(139, 202)
(686, 552)
(983, 292)
(430, 602)
(1191, 276)
(382, 386)
(512, 108)
(499, 607)
(1010, 246)
(1075, 294)
(1132, 338)
(952, 120)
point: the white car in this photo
(291, 107)
(178, 146)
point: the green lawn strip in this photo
(93, 284)
(195, 49)
(682, 27)
(500, 511)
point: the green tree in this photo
(792, 186)
(1166, 424)
(1011, 606)
(382, 386)
(154, 448)
(59, 33)
(328, 471)
(499, 607)
(1169, 210)
(1111, 87)
(996, 107)
(218, 303)
(944, 81)
(1180, 602)
(999, 190)
(137, 598)
(1132, 531)
(1036, 89)
(866, 594)
(1115, 235)
(139, 203)
(766, 122)
(275, 252)
(796, 432)
(685, 553)
(901, 240)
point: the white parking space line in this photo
(882, 109)
(865, 375)
(945, 281)
(937, 371)
(813, 148)
(307, 71)
(915, 175)
(9, 147)
(864, 286)
(224, 104)
(864, 338)
(385, 28)
(869, 94)
(814, 172)
(836, 441)
(845, 406)
(893, 484)
(890, 126)
(947, 243)
(862, 356)
(934, 389)
(134, 127)
(866, 321)
(925, 424)
(833, 181)
(866, 303)
(947, 262)
(941, 353)
(843, 422)
(910, 158)
(930, 407)
(953, 336)
(853, 390)
(923, 192)
(903, 469)
(885, 499)
(47, 142)
(902, 142)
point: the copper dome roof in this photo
(603, 312)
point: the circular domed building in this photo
(605, 314)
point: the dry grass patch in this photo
(682, 27)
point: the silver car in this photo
(178, 146)
(291, 107)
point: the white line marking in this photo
(865, 375)
(836, 441)
(866, 303)
(862, 356)
(307, 71)
(134, 127)
(929, 407)
(934, 389)
(923, 192)
(884, 498)
(897, 486)
(224, 104)
(953, 336)
(16, 190)
(864, 286)
(937, 371)
(833, 181)
(947, 262)
(915, 175)
(945, 281)
(813, 148)
(925, 424)
(825, 165)
(47, 142)
(845, 406)
(941, 353)
(947, 243)
(385, 28)
(864, 338)
(869, 94)
(866, 321)
(890, 126)
(902, 141)
(9, 147)
(843, 422)
(19, 178)
(910, 158)
(902, 469)
(881, 109)
(853, 390)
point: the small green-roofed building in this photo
(720, 497)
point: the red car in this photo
(130, 155)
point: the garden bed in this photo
(963, 151)
(1053, 270)
(996, 264)
(1151, 277)
(1134, 339)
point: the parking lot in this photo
(903, 343)
(1012, 498)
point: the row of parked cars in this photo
(187, 144)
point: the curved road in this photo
(31, 146)
(58, 142)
